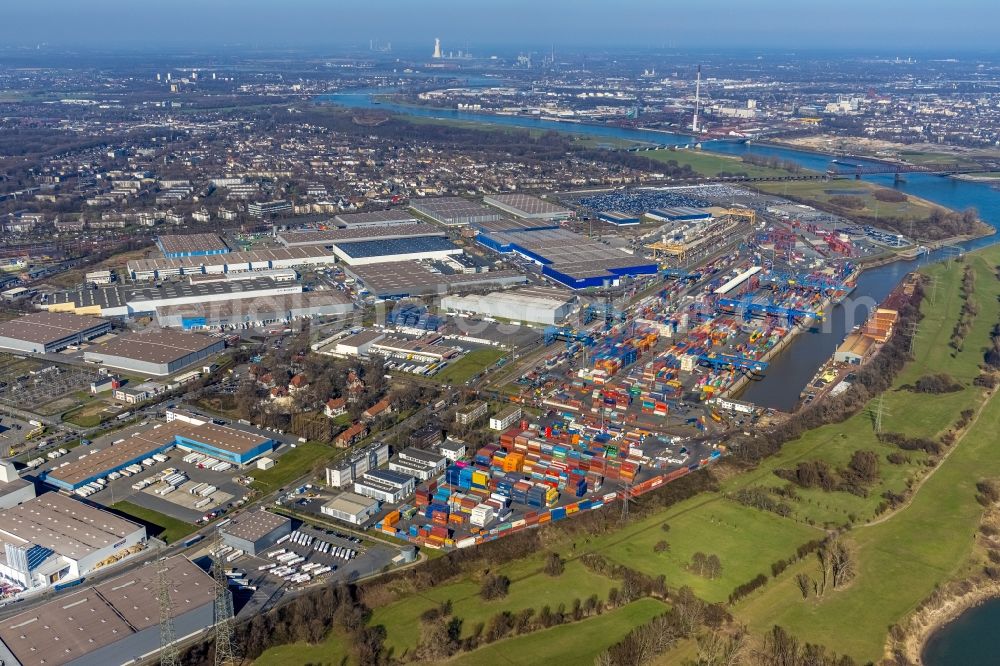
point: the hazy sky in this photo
(882, 25)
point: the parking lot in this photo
(324, 556)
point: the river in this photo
(970, 640)
(789, 373)
(961, 642)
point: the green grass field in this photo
(710, 524)
(157, 524)
(294, 463)
(711, 164)
(529, 588)
(577, 643)
(469, 366)
(331, 652)
(820, 192)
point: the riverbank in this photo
(949, 602)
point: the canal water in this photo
(789, 373)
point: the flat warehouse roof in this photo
(64, 525)
(452, 208)
(330, 236)
(224, 437)
(192, 243)
(512, 224)
(375, 217)
(140, 445)
(381, 248)
(283, 254)
(48, 327)
(253, 525)
(525, 204)
(159, 346)
(74, 625)
(278, 304)
(399, 276)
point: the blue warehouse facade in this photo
(568, 258)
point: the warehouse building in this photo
(351, 508)
(385, 485)
(254, 312)
(679, 214)
(116, 622)
(539, 305)
(53, 537)
(47, 332)
(155, 352)
(359, 253)
(346, 470)
(191, 245)
(619, 219)
(13, 489)
(528, 207)
(189, 433)
(516, 224)
(410, 278)
(255, 530)
(357, 345)
(145, 270)
(419, 349)
(131, 301)
(330, 237)
(375, 218)
(568, 258)
(422, 465)
(455, 211)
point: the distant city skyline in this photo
(481, 26)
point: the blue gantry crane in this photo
(813, 282)
(751, 309)
(727, 361)
(568, 335)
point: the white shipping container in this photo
(207, 490)
(234, 555)
(202, 502)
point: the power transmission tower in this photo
(911, 331)
(169, 655)
(626, 499)
(880, 412)
(225, 652)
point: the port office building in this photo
(47, 332)
(115, 622)
(54, 537)
(253, 531)
(157, 352)
(191, 245)
(346, 470)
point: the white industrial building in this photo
(46, 332)
(351, 508)
(233, 262)
(357, 344)
(54, 537)
(13, 489)
(155, 352)
(385, 485)
(537, 305)
(122, 301)
(346, 470)
(422, 465)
